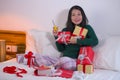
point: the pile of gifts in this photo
(84, 61)
(65, 36)
(86, 54)
(50, 71)
(43, 70)
(28, 58)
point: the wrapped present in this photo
(50, 71)
(86, 55)
(44, 71)
(87, 69)
(80, 32)
(30, 58)
(20, 58)
(80, 67)
(63, 37)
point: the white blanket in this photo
(99, 74)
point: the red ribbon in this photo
(80, 34)
(86, 55)
(81, 31)
(63, 37)
(30, 58)
(14, 70)
(83, 56)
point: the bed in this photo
(106, 61)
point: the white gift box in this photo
(44, 71)
(20, 58)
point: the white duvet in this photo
(98, 74)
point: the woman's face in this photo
(76, 16)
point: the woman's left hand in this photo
(73, 40)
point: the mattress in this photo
(99, 74)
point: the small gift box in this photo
(80, 67)
(29, 58)
(44, 71)
(63, 37)
(87, 69)
(80, 32)
(20, 58)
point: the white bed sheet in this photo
(99, 74)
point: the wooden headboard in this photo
(14, 38)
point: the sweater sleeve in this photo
(91, 38)
(60, 47)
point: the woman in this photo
(76, 16)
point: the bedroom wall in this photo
(23, 15)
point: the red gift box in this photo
(86, 55)
(63, 37)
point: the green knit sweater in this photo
(71, 50)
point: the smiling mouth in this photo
(77, 20)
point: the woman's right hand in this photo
(55, 33)
(55, 30)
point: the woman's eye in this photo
(79, 14)
(73, 14)
(76, 14)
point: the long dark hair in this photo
(69, 25)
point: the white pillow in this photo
(41, 42)
(30, 41)
(108, 54)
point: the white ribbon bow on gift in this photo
(62, 36)
(84, 55)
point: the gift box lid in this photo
(43, 67)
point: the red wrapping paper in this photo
(86, 55)
(66, 73)
(63, 37)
